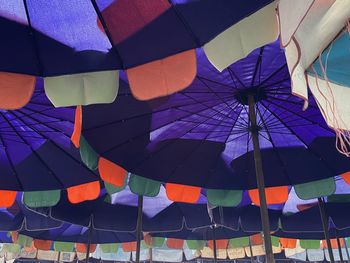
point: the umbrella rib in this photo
(185, 24)
(105, 28)
(33, 151)
(238, 79)
(148, 113)
(257, 66)
(216, 95)
(2, 140)
(216, 82)
(273, 145)
(302, 140)
(299, 115)
(187, 156)
(35, 42)
(273, 74)
(172, 142)
(64, 151)
(234, 124)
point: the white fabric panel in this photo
(28, 253)
(240, 39)
(167, 255)
(341, 96)
(315, 254)
(144, 255)
(324, 21)
(235, 253)
(82, 89)
(191, 254)
(47, 255)
(289, 252)
(81, 256)
(258, 250)
(300, 256)
(335, 254)
(293, 13)
(67, 256)
(207, 252)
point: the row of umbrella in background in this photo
(209, 135)
(164, 140)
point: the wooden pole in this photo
(325, 225)
(251, 251)
(346, 250)
(214, 243)
(139, 228)
(254, 129)
(339, 247)
(89, 242)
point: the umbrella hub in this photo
(243, 94)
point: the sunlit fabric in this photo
(36, 152)
(200, 136)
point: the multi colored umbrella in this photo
(216, 132)
(36, 153)
(80, 46)
(320, 63)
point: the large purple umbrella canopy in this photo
(36, 152)
(50, 38)
(200, 136)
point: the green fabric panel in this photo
(63, 246)
(315, 189)
(24, 241)
(109, 248)
(224, 197)
(88, 155)
(13, 248)
(144, 186)
(339, 198)
(239, 242)
(158, 241)
(310, 244)
(112, 189)
(195, 244)
(42, 198)
(275, 241)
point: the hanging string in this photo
(334, 118)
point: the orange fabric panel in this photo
(346, 177)
(288, 242)
(15, 90)
(334, 243)
(274, 195)
(256, 240)
(82, 248)
(111, 173)
(163, 77)
(78, 122)
(175, 243)
(14, 236)
(129, 246)
(303, 207)
(42, 244)
(7, 198)
(83, 192)
(220, 244)
(182, 193)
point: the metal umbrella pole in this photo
(254, 129)
(339, 247)
(214, 243)
(251, 251)
(347, 250)
(139, 228)
(89, 242)
(325, 225)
